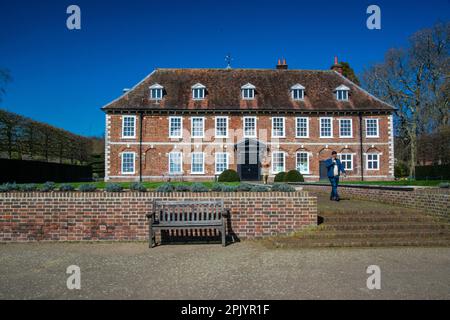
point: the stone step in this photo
(361, 242)
(412, 226)
(341, 218)
(374, 234)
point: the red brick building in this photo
(191, 124)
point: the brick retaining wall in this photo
(429, 200)
(76, 216)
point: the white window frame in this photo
(243, 127)
(284, 127)
(170, 127)
(203, 162)
(297, 162)
(378, 128)
(203, 127)
(227, 158)
(122, 162)
(345, 93)
(201, 89)
(226, 124)
(251, 91)
(300, 89)
(378, 161)
(351, 128)
(157, 87)
(351, 160)
(331, 127)
(273, 161)
(296, 127)
(123, 127)
(181, 162)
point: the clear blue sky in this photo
(63, 77)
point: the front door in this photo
(248, 160)
(323, 174)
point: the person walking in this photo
(334, 168)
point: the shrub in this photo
(182, 188)
(244, 187)
(137, 186)
(113, 187)
(293, 176)
(199, 187)
(282, 187)
(88, 187)
(279, 177)
(444, 185)
(48, 186)
(217, 187)
(9, 187)
(229, 176)
(226, 188)
(66, 187)
(259, 188)
(165, 187)
(28, 187)
(401, 169)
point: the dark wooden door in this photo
(323, 174)
(249, 161)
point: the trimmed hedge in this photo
(293, 176)
(436, 172)
(279, 177)
(283, 187)
(229, 176)
(113, 187)
(137, 186)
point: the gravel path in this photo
(244, 270)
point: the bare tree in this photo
(415, 80)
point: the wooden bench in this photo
(185, 215)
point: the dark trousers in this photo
(334, 184)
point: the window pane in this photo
(197, 162)
(175, 162)
(302, 127)
(371, 127)
(128, 126)
(197, 127)
(325, 127)
(345, 128)
(221, 162)
(302, 162)
(128, 162)
(175, 127)
(277, 162)
(278, 127)
(249, 127)
(221, 126)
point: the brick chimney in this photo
(282, 64)
(336, 66)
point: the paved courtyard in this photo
(244, 270)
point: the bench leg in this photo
(223, 236)
(150, 236)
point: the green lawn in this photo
(148, 185)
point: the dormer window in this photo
(156, 92)
(297, 92)
(248, 91)
(342, 93)
(198, 91)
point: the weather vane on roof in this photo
(228, 59)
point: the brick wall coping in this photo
(377, 187)
(137, 194)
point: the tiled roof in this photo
(223, 91)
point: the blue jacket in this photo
(330, 167)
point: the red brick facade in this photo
(76, 216)
(156, 145)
